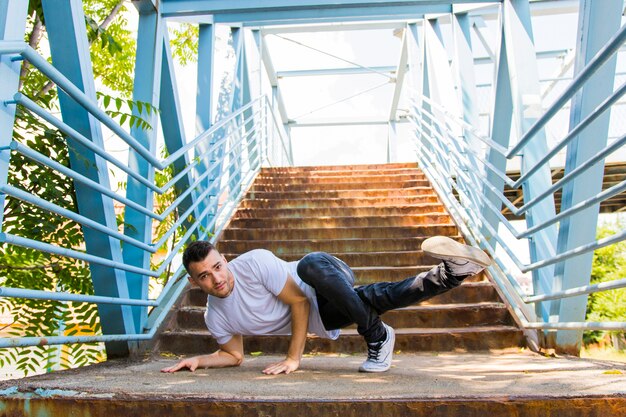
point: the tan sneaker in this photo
(460, 260)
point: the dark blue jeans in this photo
(341, 304)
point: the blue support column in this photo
(204, 104)
(501, 122)
(65, 23)
(173, 129)
(526, 94)
(147, 89)
(464, 71)
(598, 22)
(237, 100)
(12, 27)
(440, 81)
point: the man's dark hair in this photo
(196, 252)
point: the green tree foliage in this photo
(609, 264)
(113, 54)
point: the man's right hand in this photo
(190, 363)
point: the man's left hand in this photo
(287, 366)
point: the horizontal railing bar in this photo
(9, 342)
(600, 243)
(572, 292)
(468, 148)
(597, 112)
(87, 103)
(63, 127)
(574, 173)
(46, 205)
(65, 296)
(577, 325)
(228, 118)
(463, 124)
(36, 156)
(205, 174)
(491, 187)
(192, 229)
(454, 206)
(71, 253)
(604, 195)
(599, 59)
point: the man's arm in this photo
(229, 354)
(293, 296)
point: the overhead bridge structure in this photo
(522, 141)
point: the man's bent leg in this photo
(340, 305)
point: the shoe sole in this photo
(442, 247)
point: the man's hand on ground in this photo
(190, 363)
(287, 366)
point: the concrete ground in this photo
(512, 374)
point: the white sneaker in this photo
(379, 354)
(461, 260)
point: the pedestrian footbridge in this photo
(486, 129)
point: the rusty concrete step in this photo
(362, 259)
(344, 168)
(468, 292)
(268, 203)
(257, 186)
(426, 316)
(346, 193)
(379, 177)
(333, 222)
(477, 338)
(359, 211)
(372, 232)
(280, 247)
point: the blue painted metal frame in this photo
(598, 21)
(70, 55)
(146, 88)
(12, 27)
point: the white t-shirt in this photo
(253, 308)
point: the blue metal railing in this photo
(463, 178)
(246, 139)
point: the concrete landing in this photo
(447, 384)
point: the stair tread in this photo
(398, 331)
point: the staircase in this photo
(374, 217)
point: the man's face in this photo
(212, 275)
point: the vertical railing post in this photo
(146, 88)
(501, 120)
(12, 27)
(204, 107)
(69, 47)
(440, 82)
(526, 94)
(598, 21)
(174, 132)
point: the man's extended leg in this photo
(459, 262)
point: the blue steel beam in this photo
(259, 12)
(526, 96)
(204, 97)
(598, 21)
(12, 27)
(147, 84)
(399, 80)
(65, 23)
(174, 134)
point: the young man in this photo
(259, 294)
